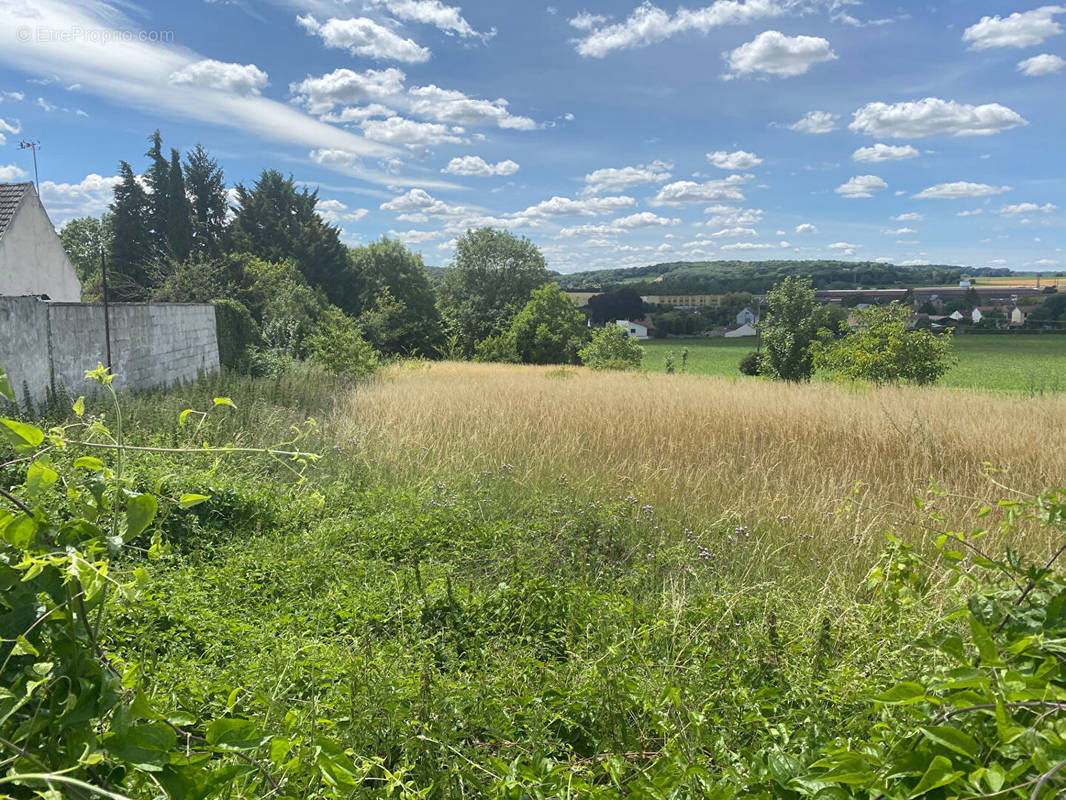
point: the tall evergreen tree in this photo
(179, 212)
(157, 177)
(206, 187)
(131, 238)
(275, 222)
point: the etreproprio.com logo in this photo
(77, 34)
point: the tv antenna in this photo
(32, 144)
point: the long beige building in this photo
(673, 300)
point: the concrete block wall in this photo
(46, 345)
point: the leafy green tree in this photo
(494, 273)
(549, 329)
(624, 303)
(82, 240)
(338, 346)
(132, 246)
(789, 330)
(881, 349)
(383, 324)
(387, 269)
(277, 222)
(828, 317)
(1051, 312)
(179, 211)
(612, 348)
(206, 188)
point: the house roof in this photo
(11, 195)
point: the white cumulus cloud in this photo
(861, 186)
(1043, 64)
(1020, 29)
(774, 53)
(477, 167)
(648, 24)
(88, 197)
(733, 217)
(585, 207)
(221, 75)
(411, 133)
(432, 12)
(884, 152)
(735, 233)
(11, 173)
(345, 86)
(8, 127)
(806, 227)
(737, 160)
(1027, 208)
(336, 213)
(960, 189)
(931, 116)
(361, 36)
(618, 179)
(720, 191)
(910, 216)
(815, 122)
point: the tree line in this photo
(286, 287)
(723, 277)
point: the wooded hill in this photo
(721, 277)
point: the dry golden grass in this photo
(710, 453)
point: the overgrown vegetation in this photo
(431, 616)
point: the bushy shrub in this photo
(612, 348)
(500, 348)
(881, 349)
(237, 333)
(751, 364)
(338, 346)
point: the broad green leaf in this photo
(234, 734)
(146, 746)
(902, 694)
(986, 647)
(139, 515)
(20, 435)
(24, 648)
(20, 531)
(783, 767)
(224, 401)
(79, 406)
(39, 477)
(953, 739)
(5, 387)
(939, 774)
(89, 463)
(184, 415)
(190, 500)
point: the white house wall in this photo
(32, 259)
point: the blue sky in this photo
(611, 133)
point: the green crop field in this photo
(1026, 364)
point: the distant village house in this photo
(635, 329)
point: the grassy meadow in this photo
(505, 581)
(1021, 364)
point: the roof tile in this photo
(10, 196)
